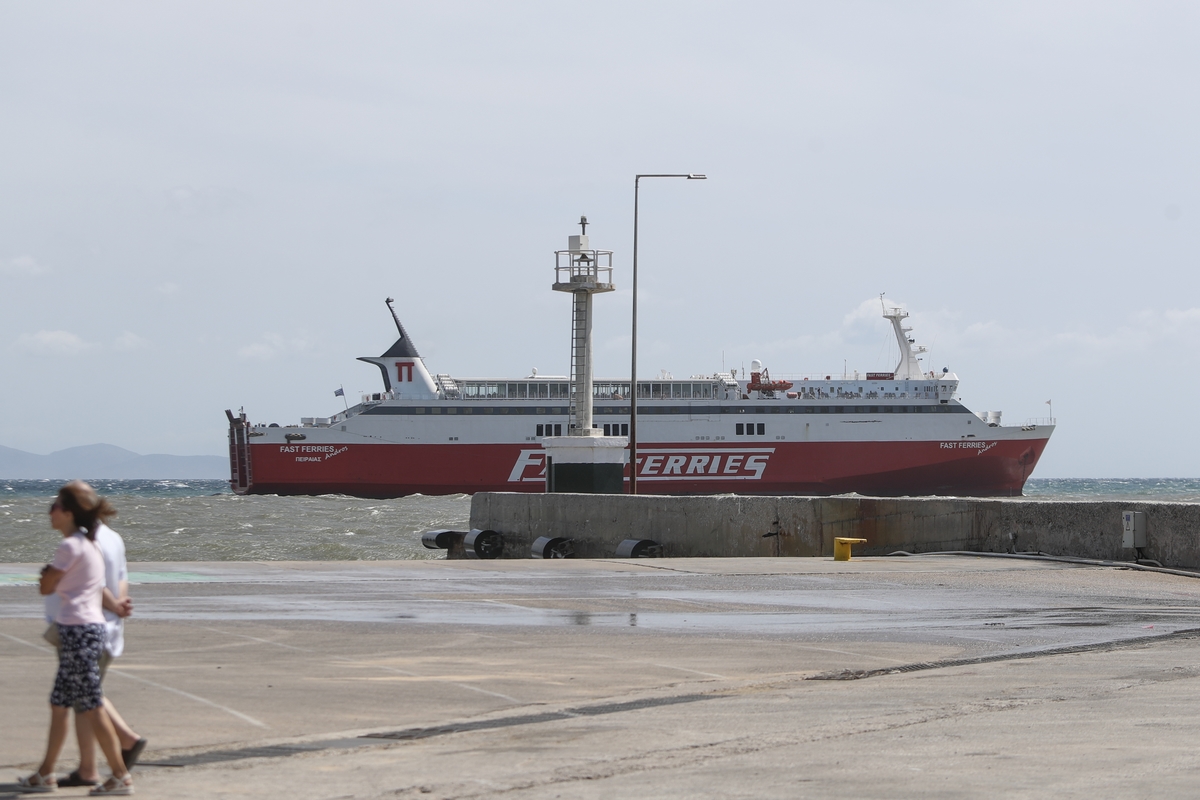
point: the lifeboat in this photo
(760, 380)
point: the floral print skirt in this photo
(77, 684)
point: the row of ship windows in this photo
(622, 429)
(486, 390)
(670, 410)
(477, 390)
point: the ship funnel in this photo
(403, 369)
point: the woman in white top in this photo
(76, 575)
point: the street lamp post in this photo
(633, 389)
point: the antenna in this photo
(583, 223)
(395, 318)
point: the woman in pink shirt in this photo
(76, 575)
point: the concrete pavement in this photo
(652, 678)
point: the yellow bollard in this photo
(841, 547)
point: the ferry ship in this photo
(886, 434)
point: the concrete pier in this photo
(742, 526)
(751, 677)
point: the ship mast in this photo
(909, 367)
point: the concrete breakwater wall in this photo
(732, 526)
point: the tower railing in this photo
(597, 270)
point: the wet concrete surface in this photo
(540, 678)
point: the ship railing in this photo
(513, 390)
(677, 390)
(1035, 422)
(819, 377)
(375, 398)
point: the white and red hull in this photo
(939, 453)
(896, 433)
(819, 468)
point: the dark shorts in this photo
(77, 684)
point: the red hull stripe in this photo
(973, 467)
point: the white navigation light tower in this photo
(583, 272)
(584, 460)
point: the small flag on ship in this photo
(339, 392)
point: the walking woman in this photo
(77, 576)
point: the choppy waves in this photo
(162, 523)
(1169, 490)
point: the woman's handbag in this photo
(51, 635)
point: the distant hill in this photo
(108, 461)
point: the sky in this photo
(204, 205)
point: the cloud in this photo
(1138, 335)
(272, 345)
(861, 326)
(258, 352)
(53, 343)
(1141, 333)
(131, 341)
(23, 265)
(868, 311)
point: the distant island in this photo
(108, 461)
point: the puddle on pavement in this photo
(169, 577)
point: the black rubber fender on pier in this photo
(639, 548)
(441, 539)
(552, 547)
(483, 544)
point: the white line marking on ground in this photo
(346, 660)
(685, 669)
(257, 639)
(43, 648)
(410, 674)
(180, 692)
(500, 638)
(190, 696)
(661, 666)
(851, 653)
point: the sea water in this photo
(203, 521)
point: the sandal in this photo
(131, 756)
(114, 787)
(75, 779)
(37, 782)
